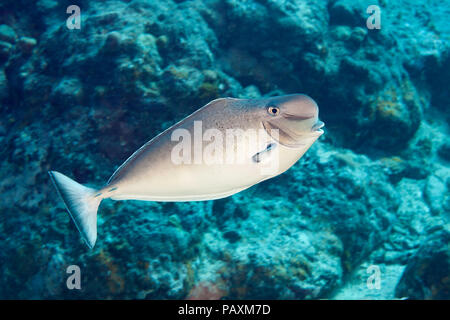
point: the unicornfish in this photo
(224, 147)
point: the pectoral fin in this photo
(264, 155)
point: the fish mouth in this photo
(317, 127)
(297, 117)
(289, 137)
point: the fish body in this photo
(224, 147)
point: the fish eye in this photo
(273, 111)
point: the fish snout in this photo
(299, 107)
(317, 127)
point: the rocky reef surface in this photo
(372, 192)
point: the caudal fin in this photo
(82, 204)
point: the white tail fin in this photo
(81, 202)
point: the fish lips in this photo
(290, 138)
(317, 127)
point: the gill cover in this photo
(282, 134)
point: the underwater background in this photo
(368, 202)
